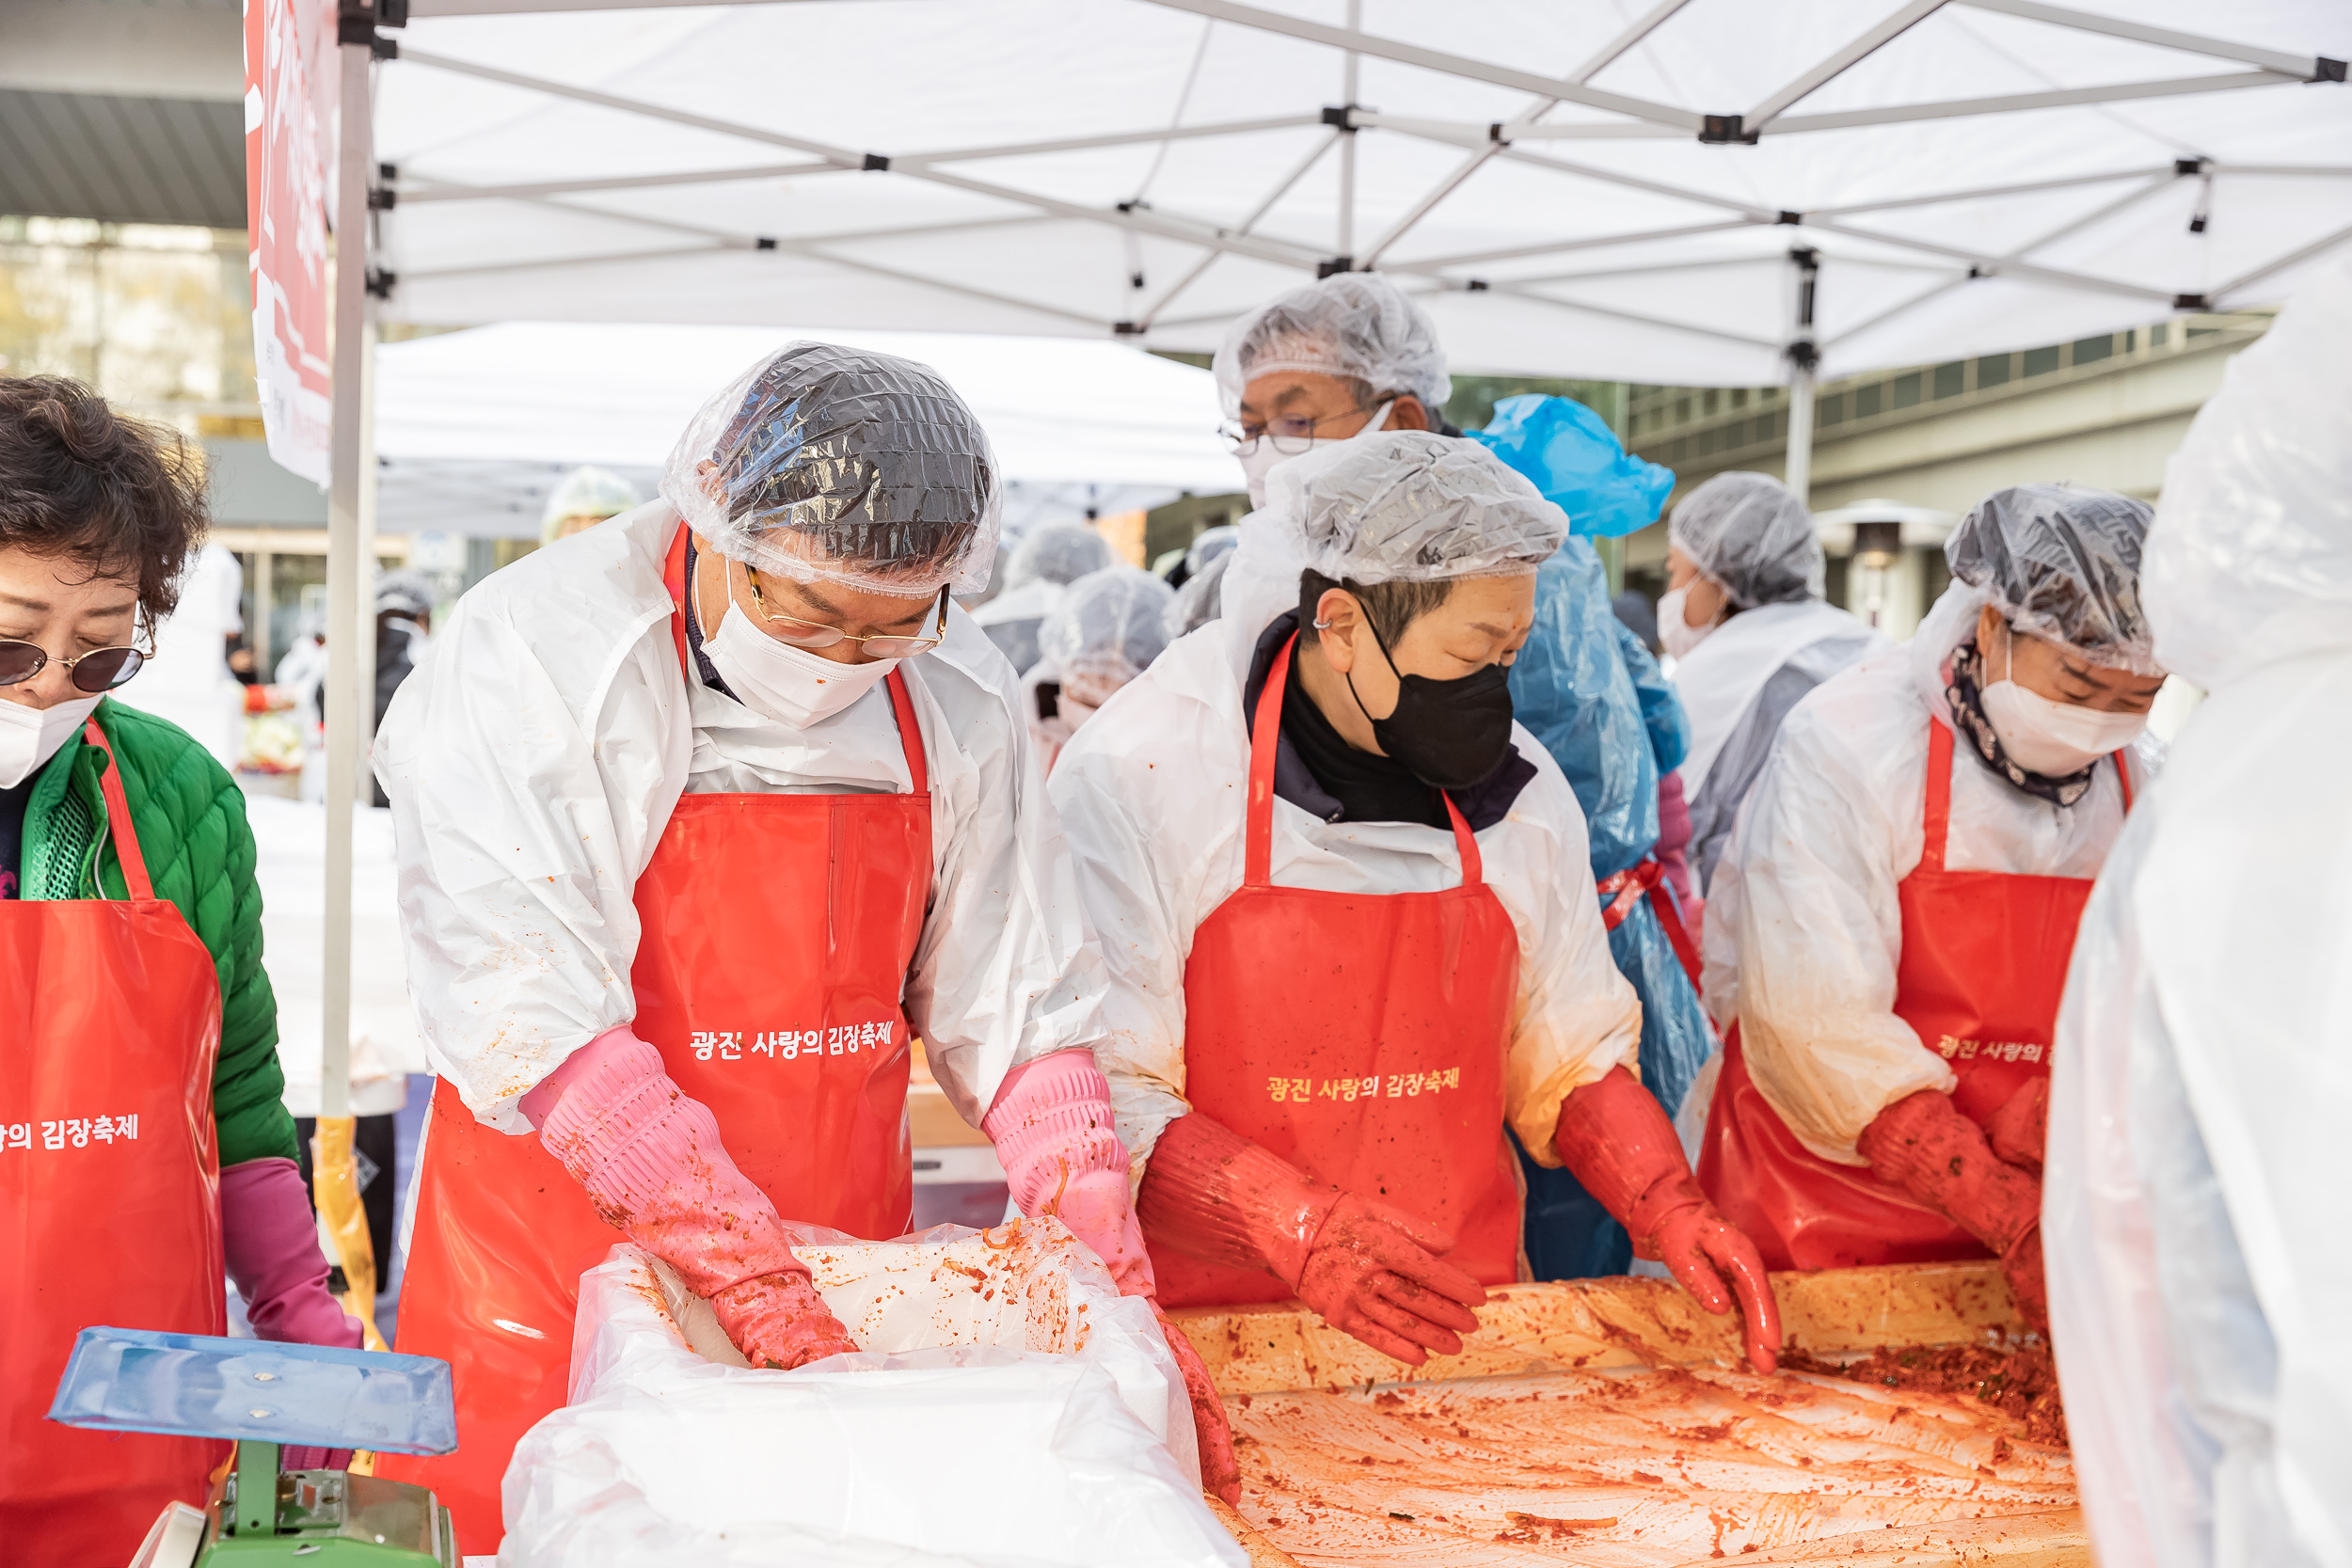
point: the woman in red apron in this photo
(142, 1146)
(1357, 928)
(824, 848)
(1882, 1095)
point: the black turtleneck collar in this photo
(1319, 773)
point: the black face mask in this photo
(1449, 734)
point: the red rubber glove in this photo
(1923, 1145)
(1371, 1271)
(1220, 1473)
(1615, 1138)
(652, 1161)
(2020, 1129)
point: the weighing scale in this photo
(264, 1396)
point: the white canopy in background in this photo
(473, 426)
(1973, 175)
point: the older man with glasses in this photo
(703, 817)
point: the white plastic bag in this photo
(1009, 1406)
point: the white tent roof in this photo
(473, 426)
(1975, 175)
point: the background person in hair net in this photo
(582, 499)
(1750, 634)
(702, 816)
(1198, 596)
(2198, 1278)
(1107, 631)
(1352, 928)
(1044, 565)
(1891, 925)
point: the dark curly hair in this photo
(118, 497)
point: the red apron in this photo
(788, 1025)
(109, 1193)
(1983, 965)
(1360, 1036)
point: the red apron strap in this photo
(674, 578)
(2124, 777)
(1266, 737)
(1474, 868)
(118, 816)
(909, 733)
(1936, 820)
(1661, 903)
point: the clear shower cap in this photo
(1107, 631)
(1209, 546)
(2062, 564)
(406, 592)
(1057, 552)
(1751, 537)
(1411, 506)
(586, 492)
(829, 465)
(1354, 325)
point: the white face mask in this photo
(2055, 738)
(31, 735)
(1264, 458)
(791, 685)
(1678, 636)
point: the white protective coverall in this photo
(1150, 794)
(2192, 1207)
(1804, 931)
(520, 844)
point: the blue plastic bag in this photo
(1587, 688)
(1576, 462)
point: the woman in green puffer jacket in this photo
(137, 1030)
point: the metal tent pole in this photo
(1345, 254)
(345, 723)
(1803, 357)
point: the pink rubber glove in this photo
(1372, 1270)
(1059, 1142)
(651, 1160)
(270, 1240)
(1058, 1139)
(1615, 1138)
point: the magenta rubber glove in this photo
(1059, 1142)
(651, 1160)
(270, 1240)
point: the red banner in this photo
(285, 205)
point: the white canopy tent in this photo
(1681, 191)
(471, 427)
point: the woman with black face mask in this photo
(1352, 926)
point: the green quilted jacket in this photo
(190, 818)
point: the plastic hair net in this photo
(828, 464)
(405, 593)
(2062, 564)
(586, 492)
(1212, 543)
(1107, 631)
(2250, 558)
(1411, 506)
(1057, 552)
(1201, 599)
(1354, 325)
(1574, 458)
(1751, 537)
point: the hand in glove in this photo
(2020, 1129)
(652, 1161)
(1369, 1270)
(1615, 1138)
(1923, 1145)
(1058, 1139)
(270, 1242)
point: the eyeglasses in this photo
(99, 670)
(1290, 434)
(817, 635)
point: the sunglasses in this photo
(99, 670)
(812, 633)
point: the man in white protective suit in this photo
(1751, 635)
(703, 814)
(2199, 1285)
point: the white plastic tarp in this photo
(1007, 1406)
(1975, 176)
